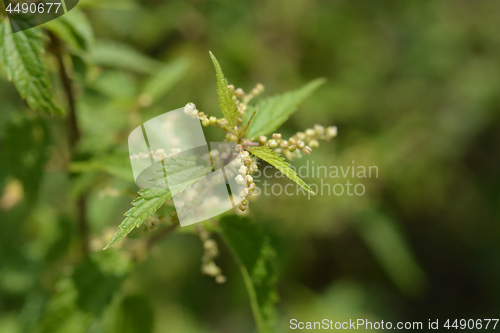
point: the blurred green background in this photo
(414, 88)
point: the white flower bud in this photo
(310, 132)
(222, 122)
(314, 144)
(277, 136)
(248, 161)
(243, 193)
(288, 155)
(239, 92)
(190, 110)
(240, 180)
(231, 137)
(272, 143)
(262, 140)
(320, 130)
(331, 132)
(220, 279)
(210, 269)
(249, 179)
(254, 168)
(243, 170)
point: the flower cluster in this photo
(211, 251)
(190, 110)
(300, 143)
(158, 155)
(241, 99)
(247, 169)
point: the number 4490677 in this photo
(34, 8)
(471, 324)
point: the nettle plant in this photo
(61, 47)
(247, 126)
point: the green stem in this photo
(74, 136)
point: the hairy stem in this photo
(160, 235)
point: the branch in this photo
(160, 235)
(74, 135)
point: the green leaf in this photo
(279, 163)
(227, 104)
(21, 56)
(62, 314)
(145, 206)
(182, 171)
(273, 111)
(95, 283)
(161, 82)
(24, 152)
(250, 246)
(135, 315)
(117, 165)
(74, 29)
(117, 55)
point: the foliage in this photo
(145, 206)
(273, 111)
(413, 87)
(279, 163)
(251, 247)
(227, 105)
(21, 57)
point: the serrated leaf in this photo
(74, 29)
(145, 206)
(227, 104)
(183, 171)
(253, 252)
(21, 56)
(161, 82)
(279, 163)
(273, 111)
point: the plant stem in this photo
(74, 135)
(160, 235)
